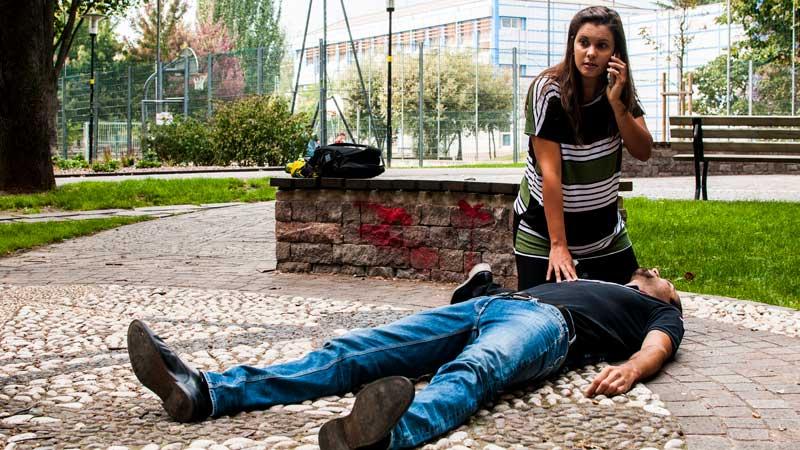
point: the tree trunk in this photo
(459, 156)
(28, 93)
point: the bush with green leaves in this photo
(110, 166)
(75, 163)
(185, 140)
(149, 160)
(259, 131)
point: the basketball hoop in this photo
(199, 81)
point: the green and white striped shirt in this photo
(590, 173)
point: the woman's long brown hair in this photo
(567, 76)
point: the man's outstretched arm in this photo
(614, 380)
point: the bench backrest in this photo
(736, 134)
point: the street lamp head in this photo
(94, 21)
(389, 5)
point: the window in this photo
(511, 22)
(506, 139)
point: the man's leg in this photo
(516, 340)
(410, 347)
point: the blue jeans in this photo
(475, 348)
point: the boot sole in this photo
(149, 368)
(465, 289)
(377, 409)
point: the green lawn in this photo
(128, 194)
(16, 236)
(746, 250)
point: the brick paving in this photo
(729, 387)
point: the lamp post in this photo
(94, 20)
(390, 10)
(159, 78)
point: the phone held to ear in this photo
(611, 78)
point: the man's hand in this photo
(613, 380)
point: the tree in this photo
(213, 38)
(767, 25)
(107, 48)
(35, 39)
(451, 92)
(174, 33)
(252, 24)
(681, 41)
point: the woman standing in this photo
(578, 114)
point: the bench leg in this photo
(697, 183)
(705, 180)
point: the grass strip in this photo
(18, 236)
(128, 194)
(743, 249)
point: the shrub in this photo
(259, 131)
(127, 161)
(149, 159)
(182, 141)
(110, 166)
(65, 164)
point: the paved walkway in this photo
(151, 211)
(64, 309)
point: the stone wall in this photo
(661, 164)
(407, 234)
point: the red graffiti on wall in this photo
(385, 234)
(476, 213)
(388, 233)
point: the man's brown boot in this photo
(376, 411)
(182, 388)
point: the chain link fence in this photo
(451, 104)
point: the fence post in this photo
(323, 94)
(185, 86)
(96, 118)
(515, 104)
(209, 78)
(420, 113)
(750, 88)
(260, 53)
(129, 112)
(477, 53)
(64, 127)
(664, 105)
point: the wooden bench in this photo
(733, 138)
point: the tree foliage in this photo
(448, 99)
(174, 33)
(252, 24)
(768, 26)
(768, 43)
(213, 38)
(68, 18)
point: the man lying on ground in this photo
(474, 347)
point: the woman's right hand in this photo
(561, 264)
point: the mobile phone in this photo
(611, 79)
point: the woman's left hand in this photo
(618, 70)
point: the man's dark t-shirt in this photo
(611, 321)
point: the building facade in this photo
(536, 29)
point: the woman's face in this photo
(594, 47)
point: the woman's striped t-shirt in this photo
(590, 173)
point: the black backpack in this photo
(347, 160)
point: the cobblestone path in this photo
(65, 381)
